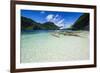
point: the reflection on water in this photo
(54, 46)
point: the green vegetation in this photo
(82, 23)
(50, 26)
(28, 24)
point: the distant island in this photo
(27, 24)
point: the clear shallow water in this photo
(42, 46)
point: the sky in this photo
(61, 19)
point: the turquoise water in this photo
(44, 46)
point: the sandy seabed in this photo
(44, 47)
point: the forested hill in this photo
(28, 24)
(82, 23)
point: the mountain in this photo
(28, 24)
(82, 23)
(50, 26)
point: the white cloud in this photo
(61, 21)
(50, 17)
(56, 19)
